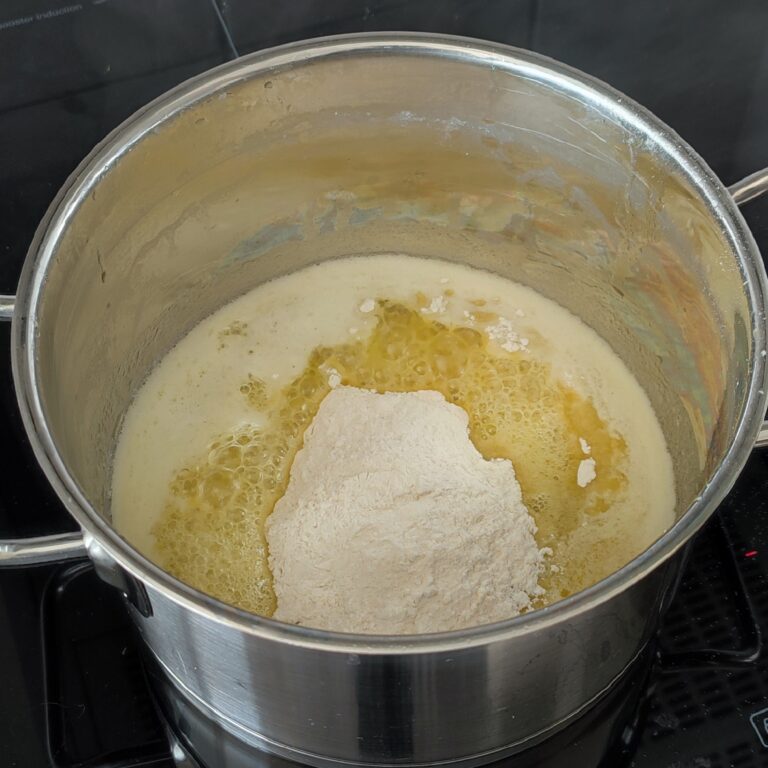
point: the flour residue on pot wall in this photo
(207, 445)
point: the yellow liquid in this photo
(209, 527)
(211, 533)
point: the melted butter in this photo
(211, 533)
(208, 522)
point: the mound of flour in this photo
(393, 523)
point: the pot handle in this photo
(750, 187)
(38, 550)
(6, 307)
(17, 553)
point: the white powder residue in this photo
(394, 523)
(586, 448)
(504, 334)
(586, 472)
(368, 306)
(437, 306)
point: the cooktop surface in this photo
(73, 690)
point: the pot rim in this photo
(597, 95)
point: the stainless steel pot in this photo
(432, 146)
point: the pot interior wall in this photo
(491, 166)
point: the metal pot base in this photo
(200, 737)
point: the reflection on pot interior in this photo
(526, 464)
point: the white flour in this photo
(504, 334)
(393, 523)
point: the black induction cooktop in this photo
(74, 692)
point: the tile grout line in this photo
(225, 29)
